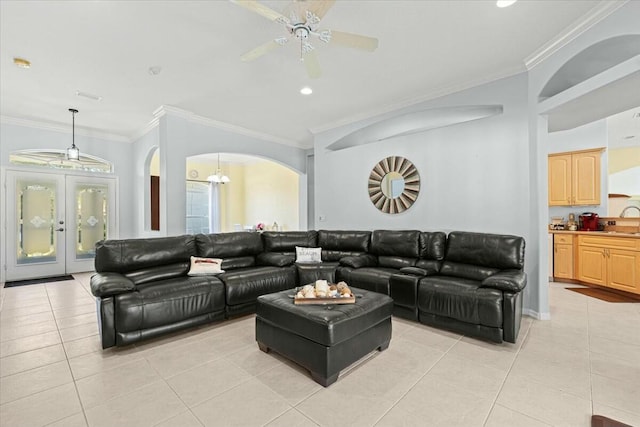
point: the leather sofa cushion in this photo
(344, 241)
(460, 299)
(433, 245)
(374, 279)
(326, 327)
(233, 263)
(247, 284)
(160, 272)
(276, 259)
(168, 301)
(395, 261)
(121, 256)
(398, 243)
(467, 271)
(286, 241)
(229, 245)
(310, 272)
(334, 256)
(429, 264)
(488, 250)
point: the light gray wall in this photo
(474, 176)
(592, 135)
(15, 137)
(179, 138)
(623, 21)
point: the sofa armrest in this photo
(417, 271)
(359, 261)
(108, 284)
(507, 280)
(276, 259)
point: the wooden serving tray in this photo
(325, 301)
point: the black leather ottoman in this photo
(324, 339)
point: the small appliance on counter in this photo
(557, 223)
(589, 221)
(572, 225)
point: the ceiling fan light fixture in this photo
(505, 3)
(306, 90)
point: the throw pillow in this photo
(308, 254)
(201, 266)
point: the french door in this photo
(54, 221)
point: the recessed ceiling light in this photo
(636, 116)
(22, 63)
(306, 90)
(505, 3)
(88, 95)
(155, 70)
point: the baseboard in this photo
(536, 315)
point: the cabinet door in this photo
(592, 265)
(563, 261)
(586, 178)
(560, 180)
(624, 270)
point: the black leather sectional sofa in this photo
(467, 282)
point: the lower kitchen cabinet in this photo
(612, 262)
(563, 257)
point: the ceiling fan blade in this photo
(262, 49)
(311, 64)
(320, 7)
(261, 9)
(355, 41)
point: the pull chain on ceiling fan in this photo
(313, 12)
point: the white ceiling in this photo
(105, 48)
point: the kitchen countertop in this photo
(600, 233)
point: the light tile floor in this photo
(585, 360)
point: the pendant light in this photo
(218, 178)
(73, 153)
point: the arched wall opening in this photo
(152, 190)
(586, 99)
(260, 191)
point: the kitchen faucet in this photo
(628, 207)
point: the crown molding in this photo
(206, 121)
(591, 18)
(145, 130)
(408, 102)
(56, 127)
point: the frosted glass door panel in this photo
(91, 213)
(36, 214)
(91, 217)
(35, 225)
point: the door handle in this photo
(60, 229)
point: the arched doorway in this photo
(260, 191)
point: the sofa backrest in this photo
(286, 241)
(396, 248)
(480, 255)
(433, 245)
(237, 249)
(338, 244)
(173, 254)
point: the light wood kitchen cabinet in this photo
(608, 261)
(563, 257)
(574, 178)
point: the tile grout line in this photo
(75, 385)
(415, 383)
(495, 400)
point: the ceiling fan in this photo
(303, 24)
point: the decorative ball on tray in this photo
(322, 289)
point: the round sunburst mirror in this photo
(394, 185)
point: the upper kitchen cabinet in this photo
(574, 178)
